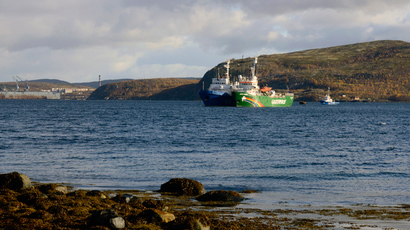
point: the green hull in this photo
(249, 100)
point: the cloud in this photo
(79, 39)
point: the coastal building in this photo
(29, 95)
(69, 90)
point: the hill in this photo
(53, 81)
(95, 84)
(48, 84)
(38, 85)
(374, 71)
(377, 71)
(159, 88)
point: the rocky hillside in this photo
(159, 88)
(375, 71)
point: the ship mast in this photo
(227, 67)
(253, 69)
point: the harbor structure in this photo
(26, 94)
(29, 95)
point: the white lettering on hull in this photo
(278, 102)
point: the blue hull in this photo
(215, 98)
(329, 103)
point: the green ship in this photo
(243, 99)
(247, 93)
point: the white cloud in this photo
(123, 63)
(78, 40)
(167, 71)
(171, 42)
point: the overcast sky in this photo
(77, 40)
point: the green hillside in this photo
(375, 71)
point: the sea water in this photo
(306, 154)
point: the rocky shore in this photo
(179, 204)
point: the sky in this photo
(78, 40)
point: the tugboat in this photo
(327, 100)
(219, 92)
(247, 93)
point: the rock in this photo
(30, 197)
(183, 186)
(197, 225)
(125, 198)
(41, 214)
(78, 194)
(96, 193)
(249, 191)
(135, 201)
(52, 188)
(117, 222)
(14, 181)
(221, 195)
(154, 204)
(108, 218)
(62, 188)
(154, 215)
(189, 220)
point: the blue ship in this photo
(219, 92)
(328, 100)
(216, 98)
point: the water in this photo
(306, 154)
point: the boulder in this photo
(189, 220)
(52, 188)
(197, 225)
(126, 198)
(96, 193)
(154, 215)
(221, 195)
(108, 218)
(14, 181)
(62, 189)
(183, 186)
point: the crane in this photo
(17, 83)
(17, 78)
(27, 87)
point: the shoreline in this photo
(284, 215)
(63, 206)
(295, 216)
(263, 199)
